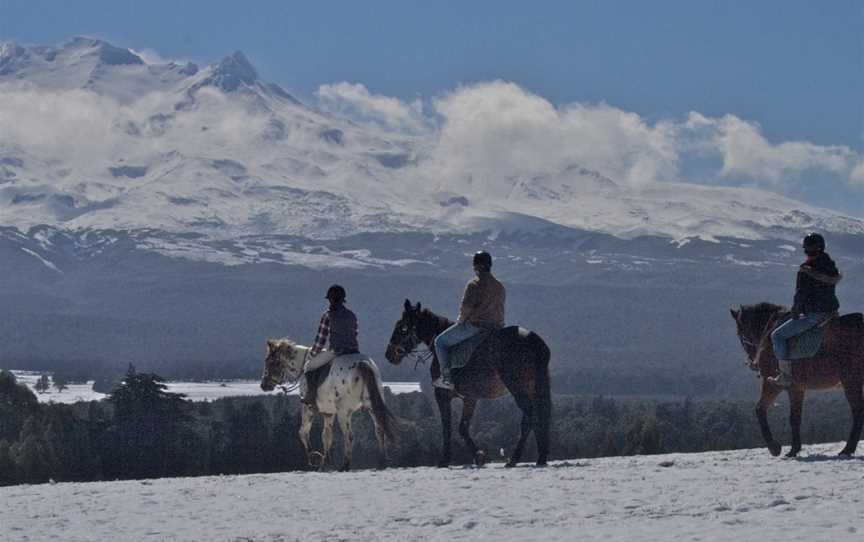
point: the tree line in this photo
(143, 431)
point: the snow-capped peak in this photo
(220, 152)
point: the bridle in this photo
(409, 334)
(285, 370)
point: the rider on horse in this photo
(482, 310)
(815, 301)
(337, 336)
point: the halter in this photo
(294, 383)
(419, 357)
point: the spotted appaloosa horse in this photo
(353, 383)
(512, 360)
(840, 362)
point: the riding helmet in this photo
(814, 241)
(336, 294)
(483, 260)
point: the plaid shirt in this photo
(323, 335)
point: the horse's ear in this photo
(734, 313)
(271, 345)
(407, 305)
(418, 306)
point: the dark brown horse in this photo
(840, 362)
(512, 360)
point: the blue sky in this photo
(793, 67)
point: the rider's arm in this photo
(322, 336)
(469, 301)
(821, 277)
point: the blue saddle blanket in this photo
(808, 343)
(461, 354)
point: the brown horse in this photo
(840, 362)
(511, 360)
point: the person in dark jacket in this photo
(815, 300)
(337, 336)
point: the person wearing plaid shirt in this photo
(337, 336)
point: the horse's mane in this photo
(756, 316)
(427, 314)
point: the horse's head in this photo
(752, 322)
(405, 337)
(284, 362)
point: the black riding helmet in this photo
(483, 260)
(336, 294)
(814, 242)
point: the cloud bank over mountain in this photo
(100, 136)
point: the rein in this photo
(293, 384)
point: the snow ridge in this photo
(735, 495)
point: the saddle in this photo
(485, 341)
(809, 343)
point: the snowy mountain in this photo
(737, 495)
(113, 141)
(154, 206)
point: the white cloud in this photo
(355, 100)
(857, 176)
(493, 132)
(746, 152)
(86, 132)
(149, 56)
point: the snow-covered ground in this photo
(194, 391)
(740, 495)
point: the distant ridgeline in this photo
(142, 431)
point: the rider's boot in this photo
(784, 376)
(441, 383)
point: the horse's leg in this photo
(856, 403)
(307, 416)
(526, 406)
(442, 397)
(345, 426)
(468, 406)
(542, 413)
(796, 406)
(769, 393)
(326, 439)
(381, 437)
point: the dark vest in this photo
(812, 295)
(343, 331)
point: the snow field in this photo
(739, 495)
(194, 391)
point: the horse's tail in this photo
(543, 395)
(383, 417)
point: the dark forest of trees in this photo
(142, 431)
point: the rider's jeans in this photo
(449, 338)
(320, 360)
(790, 329)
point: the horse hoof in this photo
(480, 458)
(775, 449)
(345, 467)
(443, 464)
(542, 463)
(845, 454)
(791, 454)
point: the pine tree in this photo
(60, 382)
(146, 422)
(42, 385)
